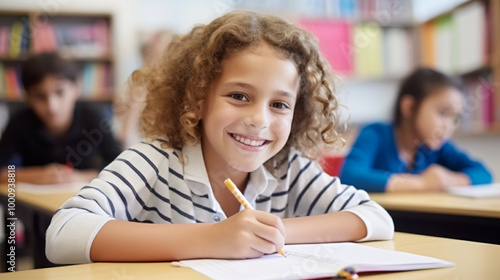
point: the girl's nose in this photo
(258, 116)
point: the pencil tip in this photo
(282, 252)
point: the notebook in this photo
(477, 191)
(312, 261)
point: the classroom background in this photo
(371, 45)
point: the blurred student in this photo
(414, 153)
(55, 139)
(128, 107)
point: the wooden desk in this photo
(35, 210)
(441, 214)
(47, 203)
(473, 261)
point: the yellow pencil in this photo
(243, 201)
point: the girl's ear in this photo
(200, 109)
(407, 106)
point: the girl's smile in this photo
(250, 143)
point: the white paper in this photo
(50, 189)
(477, 191)
(312, 261)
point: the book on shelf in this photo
(18, 34)
(75, 40)
(458, 42)
(13, 87)
(96, 80)
(479, 111)
(334, 38)
(363, 50)
(427, 43)
(444, 48)
(471, 37)
(4, 41)
(398, 52)
(14, 43)
(368, 50)
(3, 93)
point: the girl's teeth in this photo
(248, 141)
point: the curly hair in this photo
(183, 77)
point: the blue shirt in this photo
(374, 158)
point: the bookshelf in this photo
(84, 39)
(465, 41)
(364, 40)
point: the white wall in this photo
(486, 148)
(179, 16)
(426, 9)
(368, 100)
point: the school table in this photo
(473, 260)
(35, 211)
(443, 214)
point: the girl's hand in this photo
(80, 176)
(53, 173)
(436, 177)
(247, 234)
(56, 173)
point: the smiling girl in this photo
(245, 97)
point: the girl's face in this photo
(437, 116)
(247, 115)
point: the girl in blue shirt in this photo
(414, 153)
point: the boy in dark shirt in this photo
(55, 139)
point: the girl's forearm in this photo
(23, 174)
(122, 241)
(405, 183)
(458, 179)
(332, 227)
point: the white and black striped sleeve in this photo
(313, 192)
(120, 192)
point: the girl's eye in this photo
(280, 105)
(238, 96)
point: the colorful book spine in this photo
(457, 43)
(16, 37)
(334, 38)
(368, 59)
(3, 91)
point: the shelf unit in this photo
(84, 39)
(473, 31)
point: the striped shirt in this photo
(149, 184)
